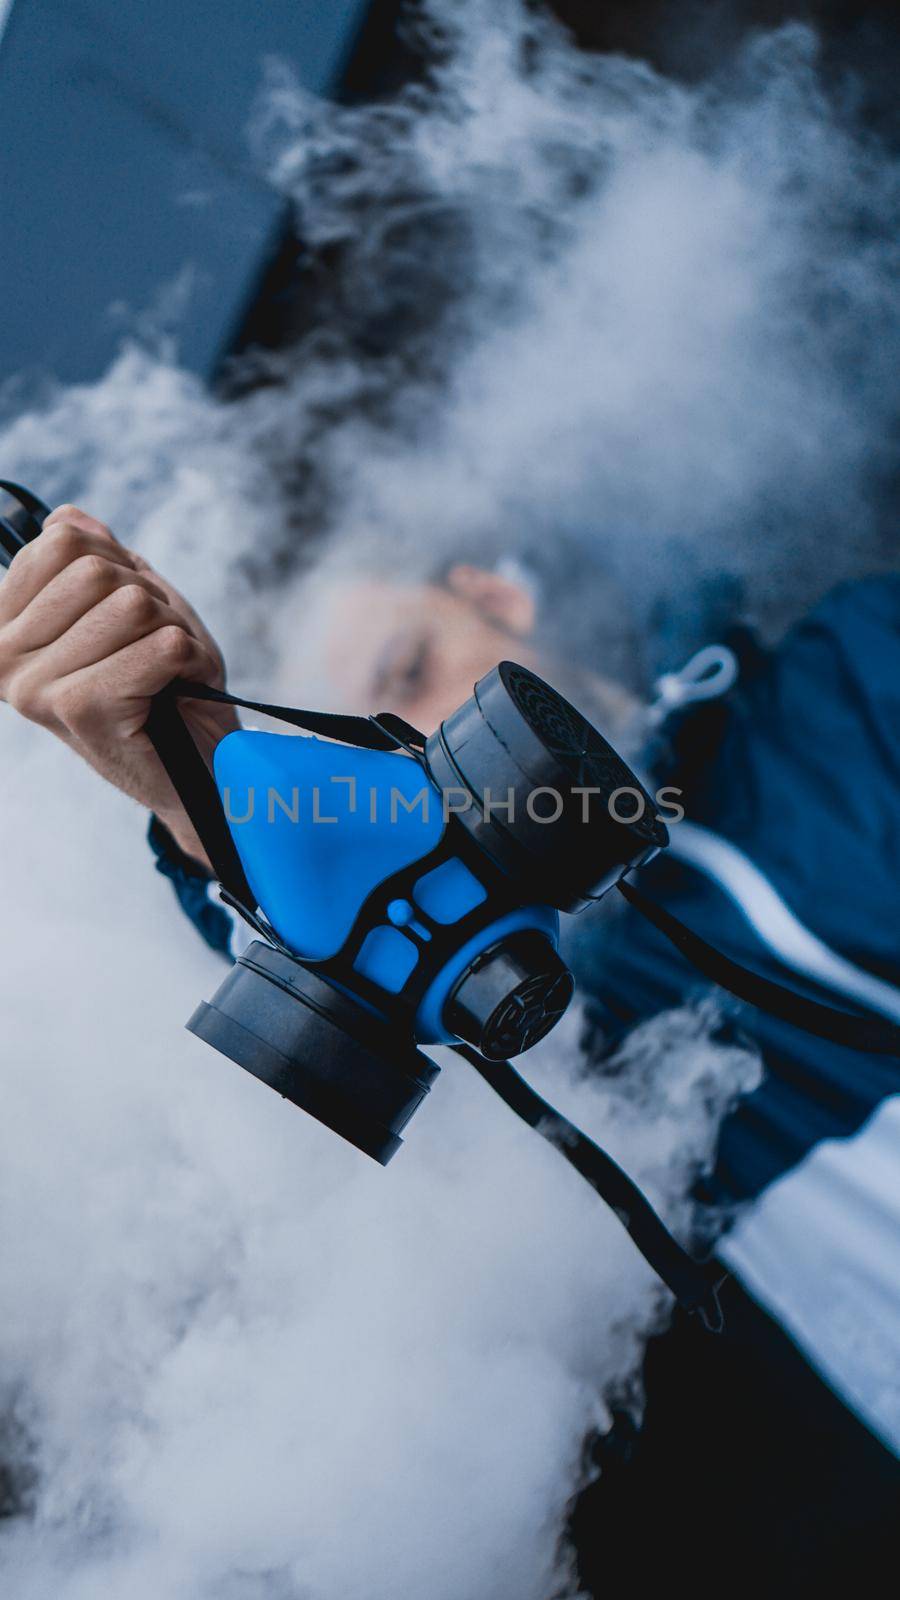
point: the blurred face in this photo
(418, 649)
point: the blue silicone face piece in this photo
(318, 826)
(447, 892)
(386, 958)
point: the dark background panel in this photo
(124, 172)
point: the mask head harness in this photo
(429, 914)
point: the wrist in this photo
(186, 839)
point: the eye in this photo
(403, 668)
(412, 673)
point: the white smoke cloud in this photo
(251, 1362)
(245, 1362)
(667, 317)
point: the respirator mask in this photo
(406, 892)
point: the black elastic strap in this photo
(876, 1035)
(372, 733)
(693, 1283)
(194, 784)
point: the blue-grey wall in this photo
(124, 170)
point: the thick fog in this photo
(572, 306)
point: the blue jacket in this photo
(799, 767)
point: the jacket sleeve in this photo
(194, 888)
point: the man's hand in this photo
(89, 633)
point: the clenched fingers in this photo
(110, 697)
(80, 519)
(73, 516)
(127, 614)
(81, 587)
(38, 563)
